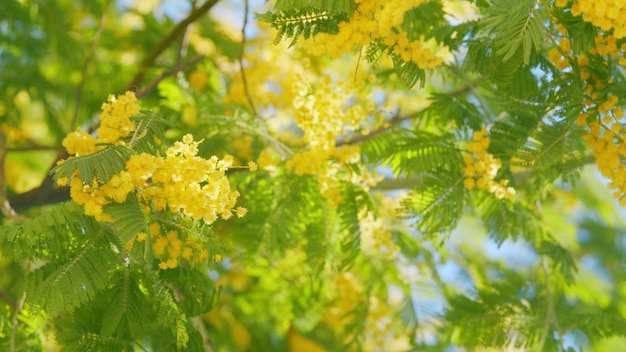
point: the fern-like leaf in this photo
(438, 202)
(102, 164)
(168, 313)
(413, 153)
(409, 72)
(554, 150)
(124, 314)
(128, 219)
(148, 132)
(48, 234)
(504, 219)
(58, 288)
(517, 24)
(306, 21)
(354, 200)
(336, 6)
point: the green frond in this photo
(516, 24)
(61, 286)
(102, 164)
(482, 58)
(197, 288)
(124, 314)
(374, 52)
(561, 258)
(421, 21)
(447, 109)
(409, 246)
(409, 72)
(287, 207)
(90, 342)
(149, 130)
(336, 6)
(506, 219)
(355, 199)
(437, 204)
(555, 150)
(413, 153)
(495, 318)
(168, 314)
(596, 323)
(302, 21)
(581, 32)
(509, 135)
(128, 218)
(48, 234)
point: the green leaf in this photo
(59, 287)
(128, 218)
(103, 164)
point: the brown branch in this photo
(90, 54)
(48, 192)
(33, 147)
(181, 67)
(8, 299)
(5, 204)
(240, 59)
(396, 120)
(168, 40)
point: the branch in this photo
(8, 299)
(48, 192)
(181, 67)
(15, 321)
(33, 147)
(5, 205)
(168, 40)
(90, 53)
(240, 59)
(396, 120)
(551, 320)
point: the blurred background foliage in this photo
(295, 274)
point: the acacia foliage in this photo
(426, 181)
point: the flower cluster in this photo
(350, 296)
(185, 183)
(381, 329)
(323, 115)
(607, 137)
(601, 115)
(481, 168)
(115, 124)
(605, 14)
(376, 231)
(179, 182)
(171, 249)
(376, 20)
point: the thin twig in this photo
(5, 206)
(168, 40)
(33, 147)
(90, 54)
(181, 67)
(8, 299)
(240, 59)
(15, 321)
(551, 319)
(358, 61)
(396, 120)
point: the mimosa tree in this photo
(312, 175)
